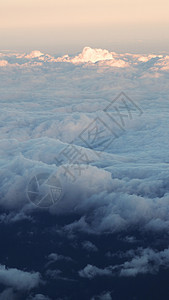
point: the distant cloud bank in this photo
(88, 56)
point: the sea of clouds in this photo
(115, 181)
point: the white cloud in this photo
(34, 54)
(163, 63)
(54, 257)
(146, 58)
(97, 57)
(13, 217)
(92, 271)
(142, 261)
(90, 55)
(89, 246)
(145, 261)
(18, 279)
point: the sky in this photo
(70, 25)
(84, 160)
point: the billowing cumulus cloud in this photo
(90, 55)
(140, 261)
(89, 246)
(144, 261)
(34, 54)
(20, 280)
(92, 271)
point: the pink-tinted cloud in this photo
(34, 54)
(90, 55)
(3, 63)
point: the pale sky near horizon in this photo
(69, 25)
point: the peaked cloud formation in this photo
(34, 54)
(89, 56)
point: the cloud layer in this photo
(49, 109)
(70, 138)
(88, 56)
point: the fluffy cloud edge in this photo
(18, 279)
